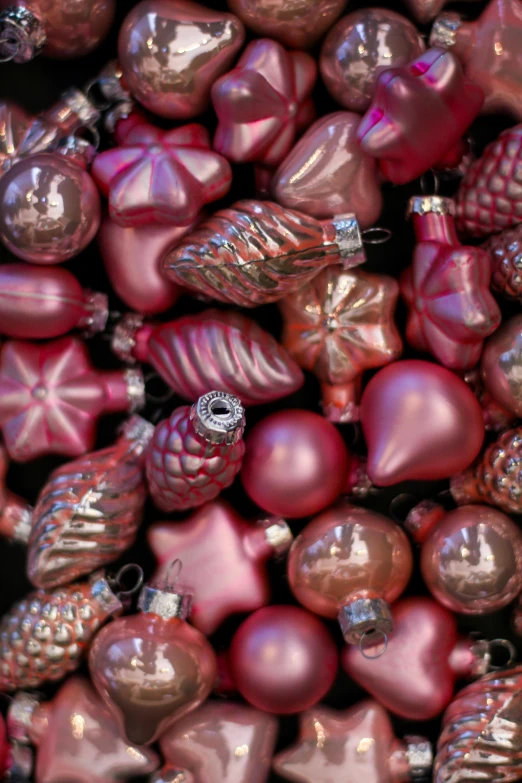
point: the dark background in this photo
(36, 86)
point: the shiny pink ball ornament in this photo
(153, 668)
(51, 397)
(283, 659)
(451, 309)
(418, 115)
(54, 27)
(327, 173)
(172, 51)
(39, 302)
(351, 563)
(295, 464)
(49, 208)
(161, 176)
(421, 422)
(470, 558)
(263, 102)
(224, 560)
(501, 366)
(361, 45)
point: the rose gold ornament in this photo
(489, 198)
(77, 738)
(223, 560)
(54, 27)
(361, 45)
(355, 744)
(15, 513)
(153, 668)
(482, 732)
(495, 416)
(339, 325)
(172, 51)
(89, 510)
(505, 253)
(351, 563)
(327, 173)
(501, 366)
(214, 349)
(44, 636)
(257, 252)
(471, 557)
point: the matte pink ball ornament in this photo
(421, 422)
(350, 563)
(263, 103)
(161, 176)
(283, 659)
(172, 51)
(295, 463)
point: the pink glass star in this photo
(223, 560)
(161, 176)
(263, 103)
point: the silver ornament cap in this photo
(169, 599)
(419, 754)
(365, 618)
(349, 240)
(424, 205)
(22, 34)
(444, 31)
(218, 418)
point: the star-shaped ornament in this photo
(339, 325)
(161, 176)
(354, 746)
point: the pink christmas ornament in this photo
(15, 514)
(51, 397)
(161, 176)
(418, 115)
(47, 301)
(470, 558)
(256, 252)
(496, 417)
(196, 452)
(172, 51)
(221, 741)
(223, 560)
(356, 744)
(488, 50)
(505, 255)
(489, 198)
(283, 659)
(263, 103)
(295, 464)
(451, 309)
(28, 27)
(212, 350)
(339, 325)
(49, 208)
(361, 45)
(296, 24)
(424, 658)
(153, 668)
(501, 366)
(351, 563)
(77, 738)
(327, 173)
(421, 422)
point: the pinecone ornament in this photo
(90, 509)
(505, 251)
(489, 198)
(197, 452)
(496, 477)
(482, 734)
(44, 636)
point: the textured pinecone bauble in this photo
(496, 477)
(44, 636)
(489, 198)
(505, 251)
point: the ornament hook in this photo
(368, 637)
(117, 580)
(424, 183)
(12, 46)
(376, 235)
(159, 398)
(504, 644)
(173, 573)
(400, 506)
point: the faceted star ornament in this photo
(161, 176)
(78, 740)
(263, 102)
(339, 325)
(221, 741)
(354, 746)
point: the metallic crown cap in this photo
(348, 238)
(219, 418)
(278, 534)
(80, 106)
(423, 205)
(420, 757)
(23, 34)
(138, 429)
(169, 599)
(365, 617)
(124, 337)
(135, 389)
(444, 30)
(20, 716)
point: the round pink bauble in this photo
(501, 365)
(420, 422)
(283, 659)
(295, 463)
